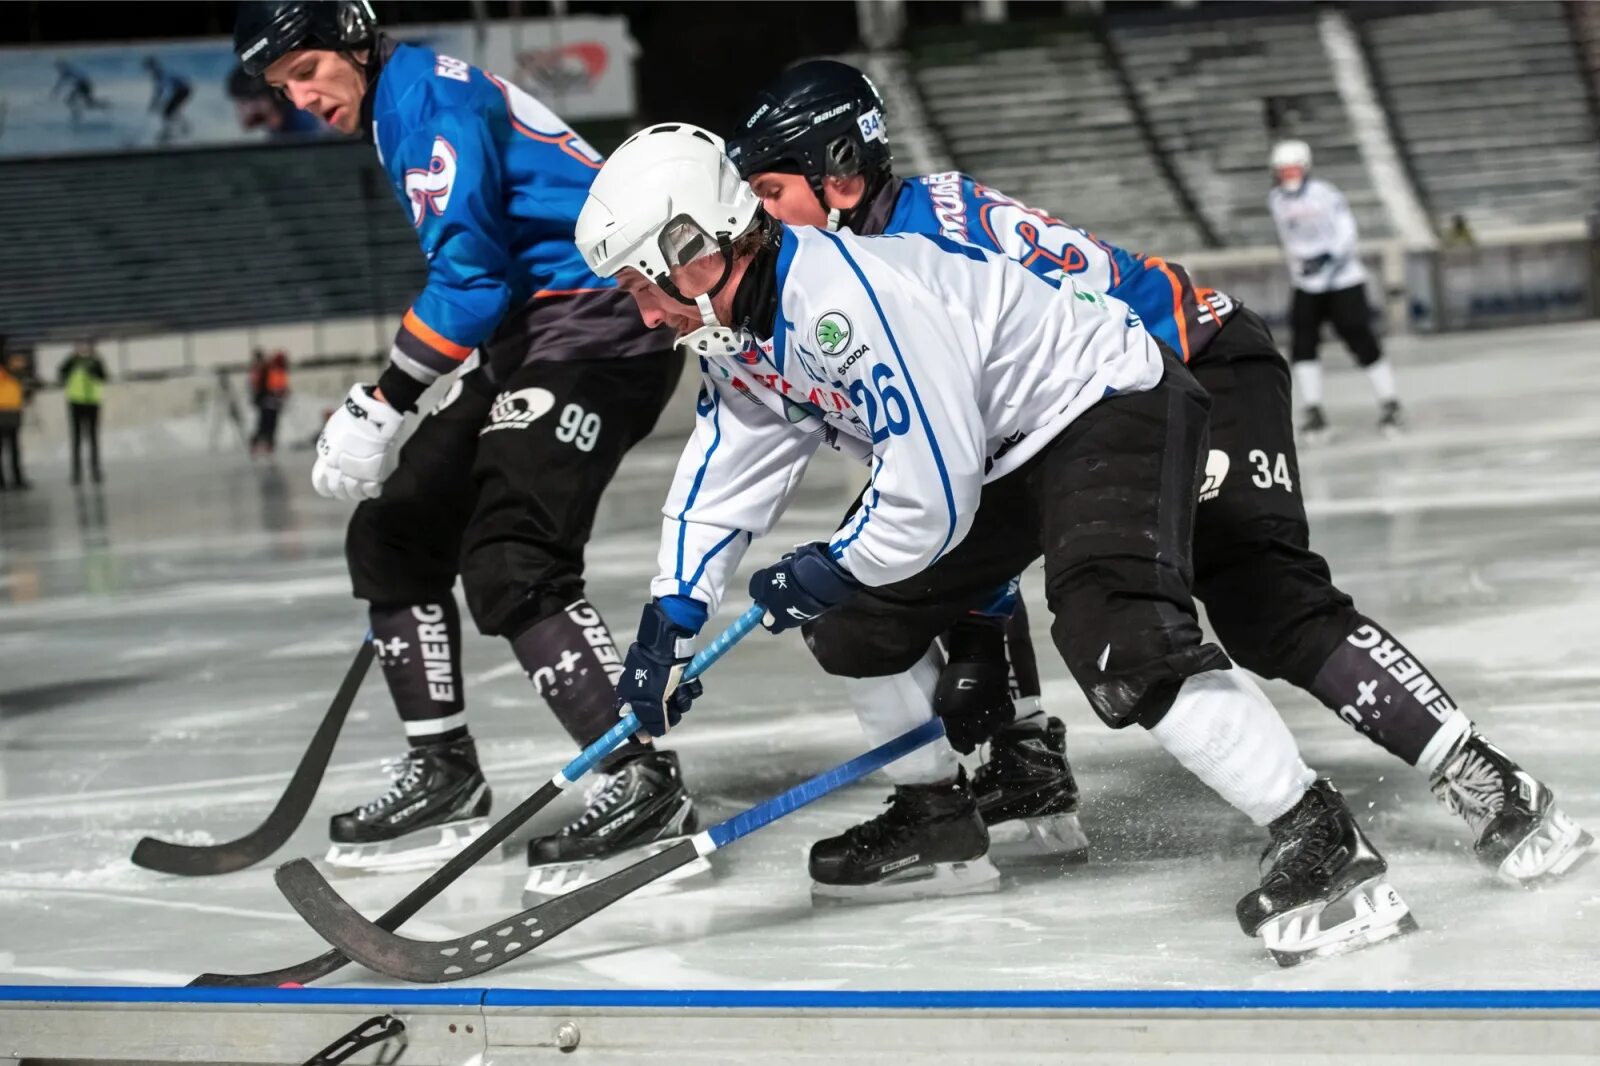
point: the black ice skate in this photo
(1314, 426)
(930, 842)
(1324, 887)
(437, 803)
(1522, 835)
(1027, 797)
(1391, 423)
(630, 815)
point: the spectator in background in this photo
(1319, 238)
(16, 388)
(269, 388)
(83, 376)
(256, 106)
(1459, 235)
(170, 94)
(80, 90)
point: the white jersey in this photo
(1312, 222)
(943, 365)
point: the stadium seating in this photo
(1207, 85)
(161, 243)
(1041, 116)
(1490, 105)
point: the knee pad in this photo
(504, 607)
(1131, 673)
(847, 645)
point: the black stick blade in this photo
(433, 962)
(190, 861)
(301, 973)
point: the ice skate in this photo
(630, 815)
(1391, 423)
(1027, 797)
(930, 842)
(1314, 426)
(1522, 835)
(437, 803)
(1324, 887)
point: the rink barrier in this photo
(508, 1026)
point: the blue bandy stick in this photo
(743, 824)
(628, 725)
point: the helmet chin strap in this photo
(833, 218)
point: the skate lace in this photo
(599, 800)
(1473, 790)
(887, 828)
(405, 773)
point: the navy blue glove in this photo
(649, 685)
(800, 586)
(1315, 264)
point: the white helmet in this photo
(1292, 154)
(666, 196)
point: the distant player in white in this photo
(1004, 419)
(1318, 234)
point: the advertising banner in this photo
(103, 98)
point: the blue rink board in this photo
(1083, 999)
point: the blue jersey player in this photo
(500, 484)
(815, 149)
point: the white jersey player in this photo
(1004, 419)
(1319, 238)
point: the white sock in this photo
(1308, 382)
(1381, 374)
(1224, 731)
(1443, 743)
(889, 706)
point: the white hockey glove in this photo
(353, 445)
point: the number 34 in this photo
(1270, 471)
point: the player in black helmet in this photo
(816, 150)
(500, 484)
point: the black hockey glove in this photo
(1315, 264)
(800, 586)
(649, 685)
(974, 692)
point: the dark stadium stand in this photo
(153, 243)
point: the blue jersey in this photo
(1172, 308)
(493, 182)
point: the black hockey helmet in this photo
(265, 31)
(820, 118)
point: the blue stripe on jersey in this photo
(916, 399)
(710, 555)
(837, 550)
(780, 325)
(684, 588)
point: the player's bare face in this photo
(1291, 178)
(789, 199)
(656, 308)
(325, 83)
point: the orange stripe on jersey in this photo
(562, 141)
(433, 339)
(1204, 296)
(543, 293)
(1177, 302)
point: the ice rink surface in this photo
(168, 644)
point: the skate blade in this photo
(1368, 914)
(917, 882)
(420, 850)
(1557, 847)
(558, 878)
(1049, 839)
